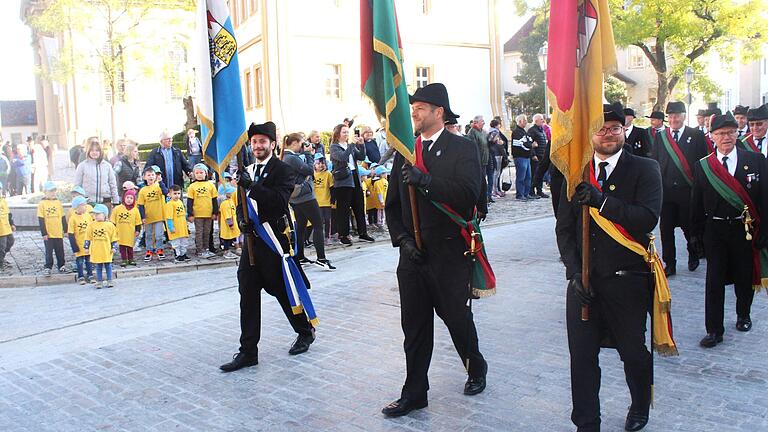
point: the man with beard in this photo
(677, 149)
(625, 190)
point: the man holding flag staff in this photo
(435, 277)
(728, 204)
(624, 199)
(269, 183)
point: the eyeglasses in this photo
(614, 130)
(756, 123)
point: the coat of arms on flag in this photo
(222, 45)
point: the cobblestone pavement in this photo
(144, 356)
(27, 256)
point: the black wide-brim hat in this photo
(759, 113)
(435, 94)
(712, 109)
(629, 112)
(721, 121)
(451, 121)
(675, 107)
(269, 129)
(613, 111)
(702, 113)
(658, 115)
(740, 110)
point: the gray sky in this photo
(17, 76)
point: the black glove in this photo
(409, 249)
(245, 228)
(761, 242)
(414, 176)
(245, 179)
(585, 296)
(589, 195)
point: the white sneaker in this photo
(208, 254)
(229, 255)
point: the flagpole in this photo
(585, 250)
(415, 215)
(249, 240)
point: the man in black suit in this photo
(740, 114)
(636, 138)
(722, 226)
(620, 287)
(675, 141)
(435, 278)
(657, 125)
(270, 182)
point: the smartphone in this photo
(357, 132)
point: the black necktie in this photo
(425, 147)
(601, 176)
(674, 134)
(759, 143)
(259, 167)
(725, 162)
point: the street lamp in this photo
(688, 75)
(543, 66)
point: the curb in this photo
(58, 279)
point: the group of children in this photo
(373, 179)
(95, 236)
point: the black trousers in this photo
(439, 285)
(54, 245)
(536, 183)
(309, 211)
(729, 260)
(266, 274)
(350, 199)
(674, 214)
(619, 309)
(555, 186)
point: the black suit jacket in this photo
(632, 199)
(694, 147)
(706, 202)
(454, 164)
(181, 165)
(271, 191)
(638, 142)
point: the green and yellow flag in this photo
(383, 80)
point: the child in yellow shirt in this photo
(77, 228)
(78, 191)
(101, 244)
(228, 229)
(202, 208)
(380, 192)
(127, 220)
(6, 229)
(176, 223)
(323, 189)
(53, 224)
(151, 201)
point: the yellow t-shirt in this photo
(126, 222)
(380, 191)
(151, 197)
(323, 183)
(227, 210)
(88, 209)
(236, 196)
(101, 235)
(78, 225)
(5, 221)
(175, 211)
(202, 192)
(52, 211)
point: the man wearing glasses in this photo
(727, 205)
(677, 149)
(625, 189)
(758, 125)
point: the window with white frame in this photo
(423, 76)
(636, 58)
(177, 57)
(258, 89)
(333, 81)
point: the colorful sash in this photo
(661, 326)
(734, 194)
(710, 144)
(748, 143)
(483, 280)
(295, 287)
(677, 156)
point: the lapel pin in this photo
(746, 167)
(612, 187)
(439, 152)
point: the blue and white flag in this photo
(219, 95)
(297, 291)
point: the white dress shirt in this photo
(628, 130)
(433, 138)
(252, 168)
(612, 161)
(733, 160)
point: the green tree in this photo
(109, 33)
(531, 101)
(676, 33)
(615, 90)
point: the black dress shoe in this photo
(744, 324)
(693, 264)
(710, 340)
(239, 361)
(301, 345)
(635, 420)
(543, 195)
(670, 270)
(402, 407)
(474, 386)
